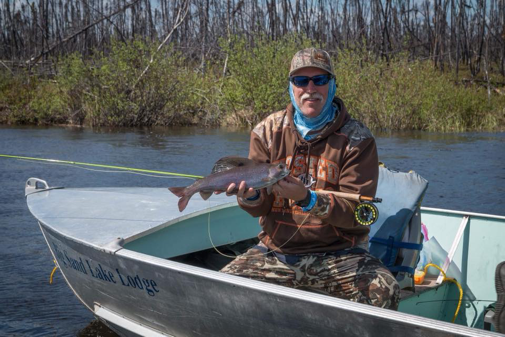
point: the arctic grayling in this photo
(229, 170)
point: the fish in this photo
(229, 170)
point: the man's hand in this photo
(291, 188)
(243, 191)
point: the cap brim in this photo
(310, 66)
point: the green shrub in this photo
(256, 80)
(111, 90)
(405, 94)
(73, 84)
(107, 89)
(47, 105)
(28, 99)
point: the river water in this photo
(466, 172)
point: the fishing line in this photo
(210, 237)
(105, 171)
(78, 164)
(292, 236)
(233, 257)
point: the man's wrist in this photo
(312, 203)
(254, 197)
(252, 201)
(305, 201)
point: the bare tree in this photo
(452, 33)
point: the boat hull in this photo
(137, 294)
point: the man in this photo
(310, 239)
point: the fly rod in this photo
(352, 196)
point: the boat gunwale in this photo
(462, 213)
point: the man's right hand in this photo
(291, 188)
(243, 191)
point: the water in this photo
(465, 171)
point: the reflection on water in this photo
(96, 328)
(465, 171)
(162, 138)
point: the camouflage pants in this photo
(356, 277)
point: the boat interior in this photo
(220, 234)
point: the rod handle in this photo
(351, 196)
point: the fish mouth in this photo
(285, 173)
(278, 172)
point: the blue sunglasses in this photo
(303, 81)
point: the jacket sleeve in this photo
(359, 174)
(258, 151)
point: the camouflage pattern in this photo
(311, 57)
(356, 132)
(323, 205)
(357, 277)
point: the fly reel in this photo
(366, 213)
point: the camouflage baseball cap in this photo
(311, 57)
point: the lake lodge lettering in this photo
(101, 273)
(87, 267)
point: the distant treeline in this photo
(428, 65)
(451, 33)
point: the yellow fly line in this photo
(131, 169)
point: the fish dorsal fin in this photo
(226, 163)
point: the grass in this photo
(108, 90)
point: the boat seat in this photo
(396, 237)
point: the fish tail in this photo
(183, 202)
(182, 193)
(178, 191)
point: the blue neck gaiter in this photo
(304, 124)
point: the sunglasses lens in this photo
(321, 79)
(300, 81)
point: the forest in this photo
(400, 64)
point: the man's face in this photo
(310, 99)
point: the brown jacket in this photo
(342, 158)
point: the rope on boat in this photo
(52, 273)
(212, 242)
(449, 279)
(122, 168)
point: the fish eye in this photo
(281, 166)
